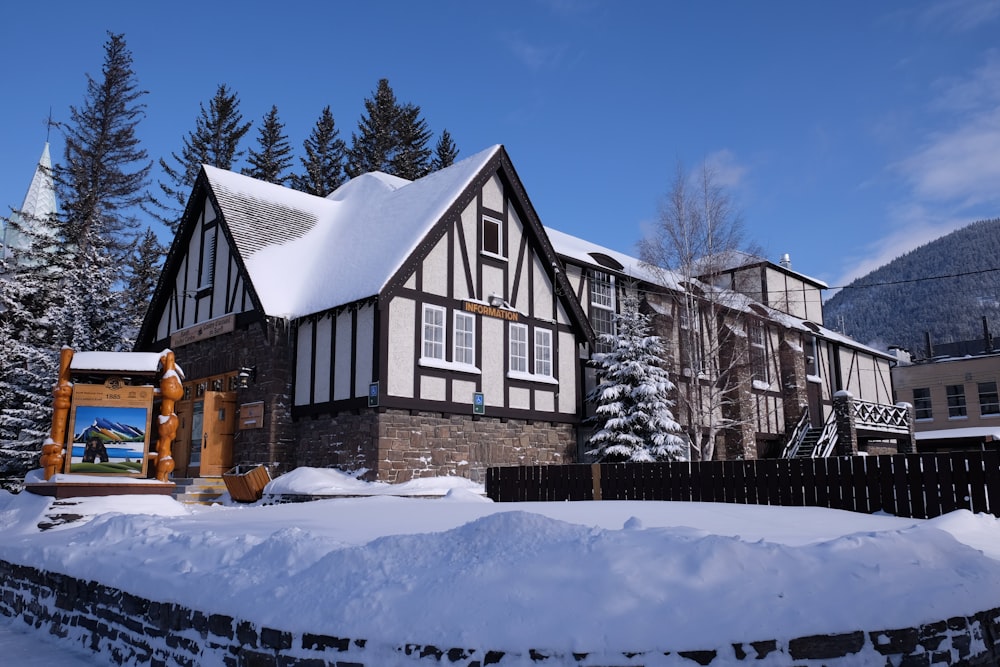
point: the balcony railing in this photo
(881, 417)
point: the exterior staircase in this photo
(199, 490)
(807, 444)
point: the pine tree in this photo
(324, 160)
(142, 274)
(214, 141)
(30, 290)
(102, 179)
(445, 152)
(373, 147)
(275, 155)
(411, 157)
(633, 420)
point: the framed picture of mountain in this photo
(109, 427)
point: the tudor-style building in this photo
(407, 328)
(761, 362)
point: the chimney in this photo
(987, 337)
(930, 348)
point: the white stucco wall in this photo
(402, 320)
(324, 363)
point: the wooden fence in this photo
(906, 485)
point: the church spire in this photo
(38, 205)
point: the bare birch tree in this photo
(698, 235)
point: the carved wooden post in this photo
(52, 450)
(171, 390)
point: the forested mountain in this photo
(944, 287)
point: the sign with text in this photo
(490, 311)
(251, 415)
(203, 330)
(109, 427)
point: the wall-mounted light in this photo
(246, 375)
(495, 300)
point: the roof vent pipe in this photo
(786, 261)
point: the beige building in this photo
(955, 401)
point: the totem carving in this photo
(171, 391)
(54, 448)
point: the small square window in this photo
(989, 403)
(956, 400)
(433, 339)
(543, 352)
(465, 338)
(922, 403)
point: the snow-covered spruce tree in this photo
(102, 179)
(374, 145)
(445, 152)
(274, 156)
(215, 141)
(324, 159)
(29, 291)
(412, 156)
(142, 272)
(633, 419)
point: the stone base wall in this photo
(397, 445)
(129, 630)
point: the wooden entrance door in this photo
(218, 426)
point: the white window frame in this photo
(602, 307)
(757, 340)
(432, 347)
(464, 338)
(517, 352)
(543, 352)
(491, 223)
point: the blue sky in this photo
(848, 132)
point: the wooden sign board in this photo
(203, 330)
(109, 429)
(251, 415)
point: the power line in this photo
(917, 280)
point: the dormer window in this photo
(492, 236)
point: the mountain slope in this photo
(944, 288)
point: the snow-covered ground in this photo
(460, 570)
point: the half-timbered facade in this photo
(750, 353)
(406, 328)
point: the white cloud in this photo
(533, 55)
(727, 169)
(960, 15)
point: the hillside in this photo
(897, 304)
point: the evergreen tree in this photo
(373, 147)
(275, 155)
(143, 271)
(633, 420)
(102, 179)
(445, 152)
(324, 160)
(411, 157)
(30, 289)
(214, 141)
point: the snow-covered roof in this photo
(306, 254)
(133, 362)
(991, 432)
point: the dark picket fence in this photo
(907, 485)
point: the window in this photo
(492, 236)
(206, 273)
(543, 352)
(922, 403)
(433, 332)
(519, 348)
(956, 400)
(690, 322)
(602, 308)
(989, 403)
(758, 352)
(465, 339)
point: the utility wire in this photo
(917, 280)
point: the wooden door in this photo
(218, 427)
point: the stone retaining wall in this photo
(129, 630)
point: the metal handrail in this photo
(796, 437)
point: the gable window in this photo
(602, 308)
(758, 352)
(956, 401)
(206, 272)
(492, 236)
(518, 348)
(989, 402)
(465, 339)
(433, 332)
(543, 352)
(922, 403)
